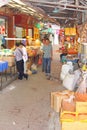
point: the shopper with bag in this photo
(19, 61)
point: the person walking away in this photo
(48, 54)
(19, 61)
(25, 56)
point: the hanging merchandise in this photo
(70, 31)
(2, 29)
(38, 25)
(68, 38)
(61, 32)
(67, 31)
(49, 30)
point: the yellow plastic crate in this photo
(75, 125)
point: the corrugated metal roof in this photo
(58, 11)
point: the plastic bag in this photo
(83, 84)
(65, 69)
(40, 61)
(69, 104)
(77, 74)
(33, 67)
(68, 81)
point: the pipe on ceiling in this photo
(64, 18)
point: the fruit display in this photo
(34, 48)
(6, 52)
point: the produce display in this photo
(34, 48)
(7, 55)
(68, 39)
(6, 52)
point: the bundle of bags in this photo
(69, 76)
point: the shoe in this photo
(26, 76)
(48, 77)
(20, 78)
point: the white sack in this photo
(65, 69)
(83, 85)
(68, 81)
(77, 74)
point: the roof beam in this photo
(58, 3)
(63, 18)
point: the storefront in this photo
(3, 30)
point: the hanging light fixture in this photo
(56, 10)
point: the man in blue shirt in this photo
(48, 54)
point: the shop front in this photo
(3, 31)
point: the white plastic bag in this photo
(83, 84)
(68, 81)
(65, 69)
(77, 74)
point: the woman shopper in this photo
(48, 54)
(19, 61)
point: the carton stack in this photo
(73, 111)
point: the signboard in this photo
(2, 29)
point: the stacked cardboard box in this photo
(9, 59)
(73, 114)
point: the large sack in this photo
(77, 74)
(68, 81)
(65, 69)
(83, 84)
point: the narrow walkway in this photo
(25, 105)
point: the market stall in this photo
(7, 66)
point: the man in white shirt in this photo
(25, 56)
(20, 62)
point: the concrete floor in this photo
(25, 104)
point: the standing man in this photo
(48, 54)
(25, 56)
(19, 61)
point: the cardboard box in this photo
(56, 99)
(81, 107)
(9, 59)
